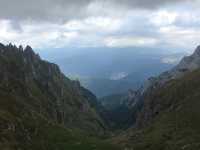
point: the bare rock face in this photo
(151, 108)
(191, 62)
(139, 98)
(187, 64)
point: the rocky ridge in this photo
(36, 96)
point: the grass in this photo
(24, 129)
(177, 126)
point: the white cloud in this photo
(94, 24)
(163, 18)
(118, 76)
(43, 36)
(180, 36)
(109, 25)
(129, 41)
(6, 32)
(171, 60)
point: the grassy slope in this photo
(177, 126)
(21, 128)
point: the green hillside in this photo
(174, 118)
(41, 109)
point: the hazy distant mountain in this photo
(108, 86)
(107, 71)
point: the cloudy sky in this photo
(45, 24)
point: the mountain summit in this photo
(191, 62)
(187, 64)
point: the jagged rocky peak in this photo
(13, 50)
(197, 51)
(28, 51)
(187, 64)
(21, 48)
(190, 63)
(1, 46)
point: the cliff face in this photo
(152, 107)
(169, 119)
(120, 110)
(34, 93)
(140, 98)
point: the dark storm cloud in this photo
(62, 10)
(147, 4)
(42, 9)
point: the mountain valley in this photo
(40, 108)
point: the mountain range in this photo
(133, 99)
(108, 71)
(42, 109)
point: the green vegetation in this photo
(41, 109)
(37, 133)
(176, 123)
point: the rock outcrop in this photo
(186, 65)
(150, 108)
(35, 93)
(169, 117)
